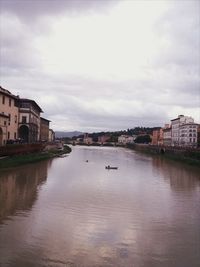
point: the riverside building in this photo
(20, 120)
(184, 131)
(9, 116)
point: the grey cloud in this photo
(171, 81)
(179, 27)
(32, 9)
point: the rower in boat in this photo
(111, 168)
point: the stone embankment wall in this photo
(16, 149)
(190, 154)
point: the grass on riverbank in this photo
(18, 160)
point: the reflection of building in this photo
(9, 113)
(18, 187)
(29, 120)
(182, 178)
(44, 129)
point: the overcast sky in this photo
(103, 65)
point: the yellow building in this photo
(9, 116)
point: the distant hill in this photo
(67, 134)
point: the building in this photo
(20, 120)
(44, 129)
(175, 125)
(51, 135)
(157, 137)
(9, 116)
(125, 139)
(87, 140)
(29, 120)
(103, 138)
(4, 119)
(167, 136)
(198, 136)
(188, 134)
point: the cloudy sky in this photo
(103, 64)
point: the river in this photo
(68, 212)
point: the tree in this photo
(143, 139)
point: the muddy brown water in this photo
(73, 212)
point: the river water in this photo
(68, 212)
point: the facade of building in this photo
(20, 120)
(125, 139)
(51, 135)
(29, 120)
(4, 119)
(198, 136)
(102, 139)
(175, 125)
(157, 137)
(167, 136)
(9, 112)
(188, 134)
(87, 140)
(44, 129)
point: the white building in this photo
(180, 131)
(125, 139)
(188, 134)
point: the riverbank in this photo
(185, 155)
(17, 160)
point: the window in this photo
(8, 135)
(15, 135)
(10, 102)
(9, 119)
(23, 119)
(4, 123)
(3, 99)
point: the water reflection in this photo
(19, 188)
(182, 178)
(141, 215)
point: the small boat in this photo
(111, 168)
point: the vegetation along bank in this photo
(24, 154)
